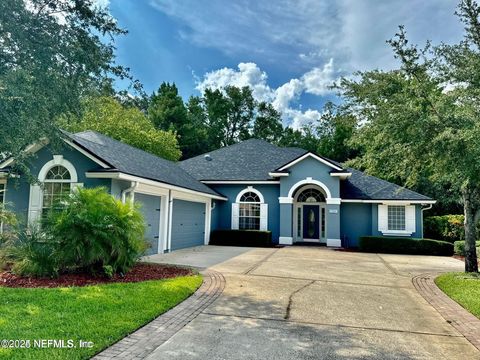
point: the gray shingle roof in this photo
(133, 161)
(361, 186)
(253, 159)
(248, 160)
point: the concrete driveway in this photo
(315, 303)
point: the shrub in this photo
(459, 248)
(96, 232)
(401, 245)
(241, 238)
(447, 228)
(30, 253)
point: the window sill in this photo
(397, 232)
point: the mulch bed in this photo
(140, 272)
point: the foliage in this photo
(267, 124)
(241, 238)
(459, 248)
(53, 53)
(127, 124)
(402, 245)
(30, 253)
(421, 120)
(446, 227)
(83, 312)
(93, 230)
(463, 288)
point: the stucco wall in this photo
(222, 214)
(355, 221)
(18, 190)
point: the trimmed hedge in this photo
(401, 245)
(241, 238)
(459, 248)
(446, 227)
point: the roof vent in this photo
(208, 157)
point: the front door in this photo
(311, 222)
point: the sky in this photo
(288, 51)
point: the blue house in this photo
(297, 195)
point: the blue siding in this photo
(222, 214)
(150, 208)
(188, 224)
(18, 190)
(355, 221)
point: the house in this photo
(298, 195)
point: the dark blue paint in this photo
(311, 224)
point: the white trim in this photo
(285, 240)
(390, 202)
(250, 189)
(278, 174)
(285, 200)
(123, 176)
(334, 242)
(60, 161)
(162, 225)
(208, 217)
(309, 154)
(396, 232)
(246, 182)
(309, 181)
(170, 219)
(189, 197)
(87, 154)
(341, 175)
(32, 148)
(333, 201)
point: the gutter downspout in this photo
(131, 189)
(423, 209)
(169, 221)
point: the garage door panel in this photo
(150, 208)
(188, 224)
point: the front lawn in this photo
(464, 288)
(102, 314)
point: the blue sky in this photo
(287, 51)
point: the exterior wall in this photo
(355, 221)
(310, 167)
(18, 189)
(222, 214)
(418, 222)
(117, 186)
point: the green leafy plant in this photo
(459, 248)
(30, 253)
(402, 245)
(446, 227)
(241, 238)
(96, 232)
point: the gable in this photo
(331, 164)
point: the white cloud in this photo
(283, 98)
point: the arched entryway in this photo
(309, 214)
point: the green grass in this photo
(464, 288)
(102, 314)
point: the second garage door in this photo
(188, 224)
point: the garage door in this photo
(188, 224)
(151, 213)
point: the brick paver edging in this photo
(467, 324)
(145, 340)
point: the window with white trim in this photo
(56, 185)
(249, 212)
(2, 192)
(396, 217)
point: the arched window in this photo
(57, 184)
(249, 212)
(311, 195)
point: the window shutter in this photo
(35, 204)
(382, 217)
(410, 218)
(235, 214)
(264, 217)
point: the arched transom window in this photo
(57, 184)
(249, 212)
(311, 195)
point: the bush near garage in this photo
(241, 238)
(446, 227)
(402, 245)
(459, 248)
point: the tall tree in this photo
(422, 120)
(267, 124)
(127, 124)
(166, 108)
(52, 54)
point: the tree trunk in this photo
(471, 212)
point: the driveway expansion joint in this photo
(466, 323)
(162, 328)
(259, 263)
